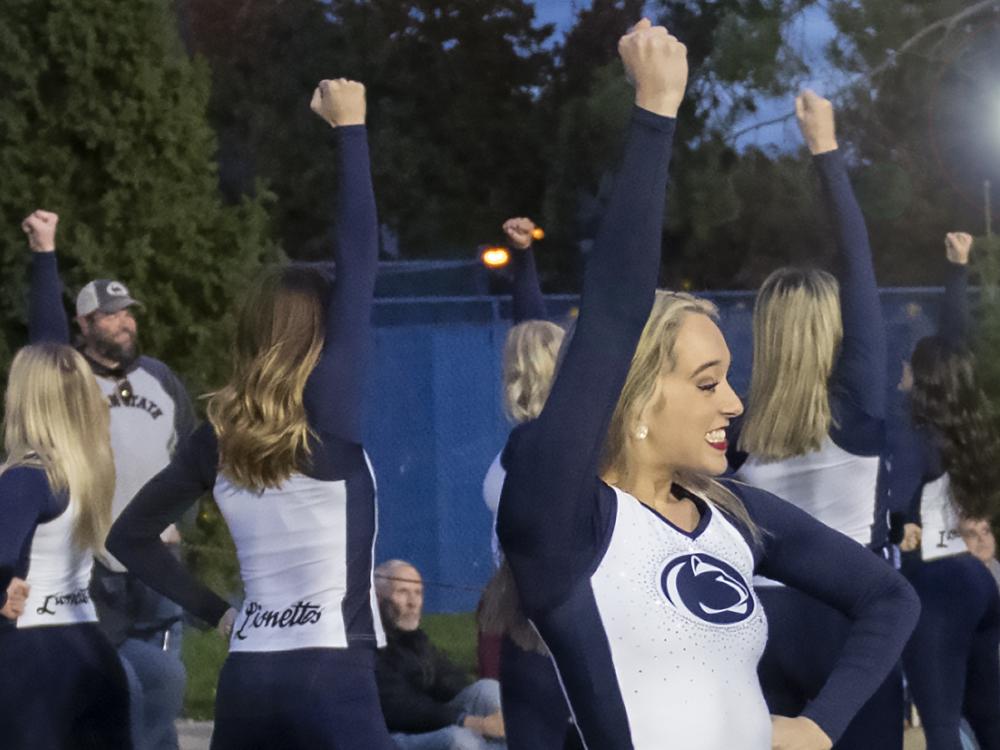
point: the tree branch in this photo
(948, 24)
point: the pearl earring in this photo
(641, 432)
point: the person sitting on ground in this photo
(978, 537)
(429, 702)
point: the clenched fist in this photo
(957, 246)
(912, 535)
(520, 232)
(17, 595)
(815, 116)
(40, 226)
(340, 102)
(656, 63)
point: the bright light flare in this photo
(495, 257)
(538, 233)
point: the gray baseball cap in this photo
(104, 295)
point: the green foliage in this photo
(456, 635)
(986, 260)
(451, 85)
(203, 653)
(920, 124)
(104, 122)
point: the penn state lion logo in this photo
(116, 289)
(705, 588)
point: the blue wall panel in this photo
(434, 422)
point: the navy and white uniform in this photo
(62, 685)
(837, 485)
(301, 668)
(950, 662)
(527, 303)
(146, 426)
(534, 709)
(656, 631)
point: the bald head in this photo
(399, 584)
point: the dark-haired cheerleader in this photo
(944, 468)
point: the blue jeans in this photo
(144, 627)
(482, 698)
(156, 679)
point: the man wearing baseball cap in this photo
(150, 411)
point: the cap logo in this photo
(116, 289)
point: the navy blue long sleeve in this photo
(526, 300)
(25, 502)
(858, 384)
(954, 322)
(556, 456)
(46, 315)
(804, 553)
(332, 397)
(334, 393)
(135, 536)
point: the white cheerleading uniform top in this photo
(59, 574)
(492, 487)
(940, 535)
(702, 631)
(832, 485)
(292, 547)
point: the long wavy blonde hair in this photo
(653, 356)
(529, 364)
(259, 416)
(57, 418)
(797, 330)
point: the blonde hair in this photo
(57, 418)
(797, 330)
(653, 356)
(529, 363)
(259, 416)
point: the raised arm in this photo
(860, 373)
(527, 300)
(556, 457)
(46, 316)
(135, 537)
(335, 390)
(954, 324)
(810, 556)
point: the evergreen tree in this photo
(104, 122)
(451, 92)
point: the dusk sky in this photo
(808, 34)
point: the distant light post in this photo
(495, 256)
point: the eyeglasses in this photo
(125, 390)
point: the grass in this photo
(204, 651)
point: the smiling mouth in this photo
(717, 439)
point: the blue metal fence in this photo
(434, 421)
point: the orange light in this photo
(538, 233)
(495, 257)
